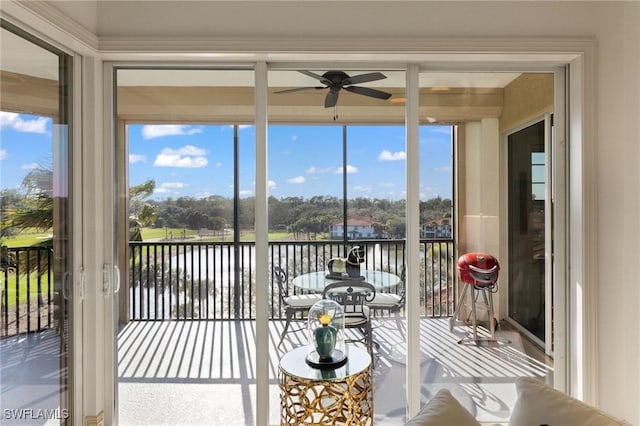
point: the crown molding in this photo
(47, 22)
(551, 51)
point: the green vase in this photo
(325, 337)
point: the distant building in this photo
(358, 227)
(434, 229)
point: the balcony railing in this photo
(200, 280)
(27, 293)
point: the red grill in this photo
(479, 269)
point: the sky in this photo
(304, 161)
(26, 142)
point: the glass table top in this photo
(293, 363)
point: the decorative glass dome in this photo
(325, 331)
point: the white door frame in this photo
(413, 388)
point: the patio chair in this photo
(353, 297)
(392, 302)
(294, 304)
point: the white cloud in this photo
(151, 131)
(427, 192)
(392, 156)
(245, 192)
(185, 150)
(3, 154)
(14, 121)
(314, 170)
(137, 158)
(218, 165)
(363, 188)
(350, 169)
(386, 185)
(160, 191)
(297, 179)
(172, 185)
(178, 161)
(31, 166)
(189, 157)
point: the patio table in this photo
(314, 282)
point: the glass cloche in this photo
(325, 331)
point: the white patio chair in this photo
(391, 302)
(294, 304)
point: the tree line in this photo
(296, 215)
(32, 207)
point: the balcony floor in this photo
(202, 372)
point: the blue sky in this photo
(197, 160)
(26, 141)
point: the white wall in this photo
(614, 25)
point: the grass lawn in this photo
(25, 282)
(162, 233)
(178, 233)
(26, 239)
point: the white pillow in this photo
(443, 410)
(539, 404)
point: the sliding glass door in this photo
(528, 222)
(35, 232)
(188, 148)
(186, 305)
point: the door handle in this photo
(106, 280)
(82, 282)
(116, 279)
(65, 283)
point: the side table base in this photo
(347, 401)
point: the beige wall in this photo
(527, 97)
(478, 191)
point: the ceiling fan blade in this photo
(363, 78)
(316, 76)
(331, 99)
(300, 89)
(366, 91)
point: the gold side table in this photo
(342, 396)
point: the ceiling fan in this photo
(335, 81)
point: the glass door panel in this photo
(187, 149)
(35, 232)
(337, 175)
(527, 204)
